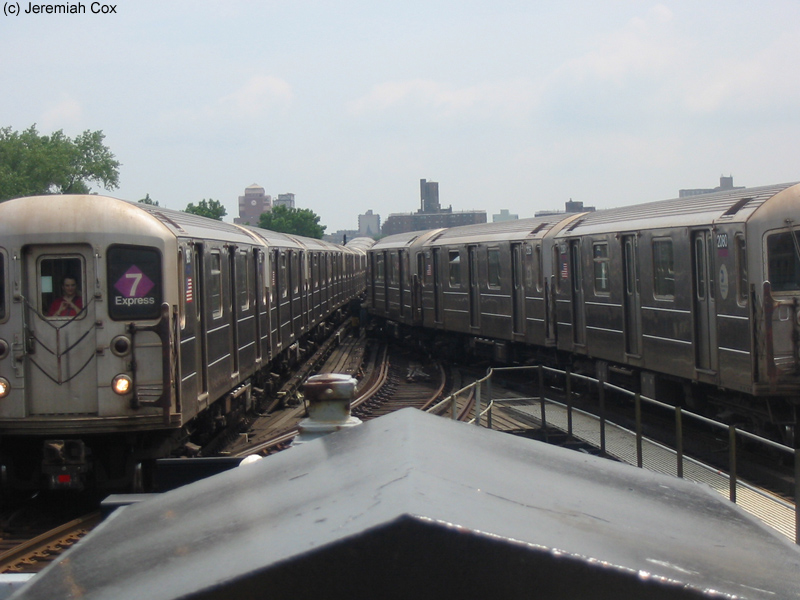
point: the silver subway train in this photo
(691, 299)
(124, 328)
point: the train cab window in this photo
(3, 286)
(783, 256)
(740, 249)
(663, 270)
(61, 289)
(215, 285)
(134, 282)
(454, 261)
(602, 269)
(493, 267)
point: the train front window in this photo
(783, 252)
(61, 287)
(134, 283)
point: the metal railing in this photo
(732, 432)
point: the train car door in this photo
(61, 341)
(258, 300)
(200, 319)
(474, 288)
(576, 280)
(234, 269)
(705, 325)
(632, 302)
(518, 289)
(190, 341)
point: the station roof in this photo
(412, 505)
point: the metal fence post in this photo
(489, 401)
(541, 402)
(569, 402)
(637, 402)
(478, 403)
(679, 439)
(732, 461)
(796, 492)
(602, 386)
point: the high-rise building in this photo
(431, 215)
(286, 200)
(725, 183)
(252, 204)
(504, 215)
(369, 224)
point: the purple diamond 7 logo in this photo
(134, 283)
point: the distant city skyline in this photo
(346, 105)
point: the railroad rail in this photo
(35, 553)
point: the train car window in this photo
(783, 255)
(421, 268)
(560, 265)
(294, 269)
(493, 266)
(455, 268)
(134, 283)
(602, 269)
(395, 262)
(700, 268)
(242, 280)
(3, 286)
(539, 268)
(389, 268)
(215, 285)
(663, 270)
(379, 267)
(184, 277)
(740, 249)
(530, 267)
(61, 287)
(282, 276)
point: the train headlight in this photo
(121, 345)
(122, 384)
(3, 349)
(5, 387)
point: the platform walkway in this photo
(620, 443)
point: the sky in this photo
(518, 105)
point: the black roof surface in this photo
(412, 505)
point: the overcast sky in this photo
(520, 105)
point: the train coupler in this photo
(64, 464)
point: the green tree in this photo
(148, 200)
(212, 209)
(297, 221)
(33, 164)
